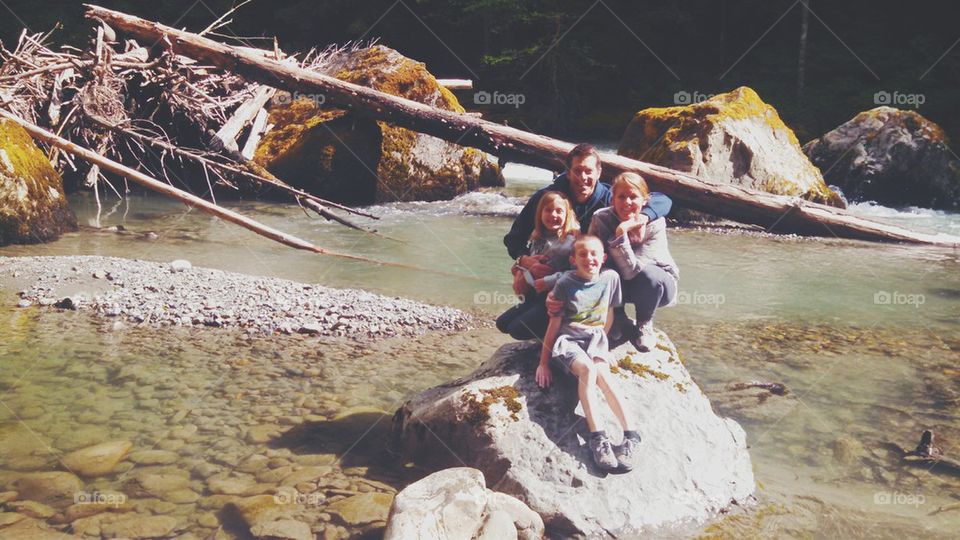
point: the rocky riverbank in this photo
(177, 294)
(217, 435)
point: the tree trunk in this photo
(774, 212)
(804, 20)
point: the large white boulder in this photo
(529, 443)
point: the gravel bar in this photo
(176, 293)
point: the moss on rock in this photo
(33, 206)
(478, 410)
(344, 157)
(641, 370)
(733, 137)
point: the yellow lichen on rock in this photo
(33, 205)
(342, 156)
(733, 137)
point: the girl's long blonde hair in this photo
(570, 225)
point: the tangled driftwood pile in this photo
(147, 107)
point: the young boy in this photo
(577, 340)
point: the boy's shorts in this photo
(567, 349)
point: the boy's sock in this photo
(630, 434)
(598, 434)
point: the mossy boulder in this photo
(894, 157)
(734, 138)
(529, 443)
(341, 156)
(33, 206)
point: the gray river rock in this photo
(894, 157)
(529, 443)
(455, 503)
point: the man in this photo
(581, 184)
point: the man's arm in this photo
(658, 206)
(516, 239)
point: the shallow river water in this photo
(865, 337)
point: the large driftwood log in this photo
(774, 212)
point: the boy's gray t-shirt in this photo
(586, 303)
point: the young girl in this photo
(638, 249)
(548, 252)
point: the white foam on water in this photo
(910, 216)
(477, 203)
(517, 174)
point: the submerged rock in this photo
(57, 489)
(287, 529)
(732, 138)
(97, 460)
(141, 527)
(894, 157)
(338, 155)
(529, 443)
(455, 503)
(361, 509)
(33, 206)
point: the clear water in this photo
(866, 338)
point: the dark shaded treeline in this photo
(583, 67)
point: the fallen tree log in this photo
(774, 212)
(204, 205)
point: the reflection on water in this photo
(865, 337)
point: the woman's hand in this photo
(544, 376)
(636, 221)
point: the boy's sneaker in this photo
(602, 450)
(647, 340)
(628, 453)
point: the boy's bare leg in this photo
(602, 371)
(586, 374)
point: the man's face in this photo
(582, 176)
